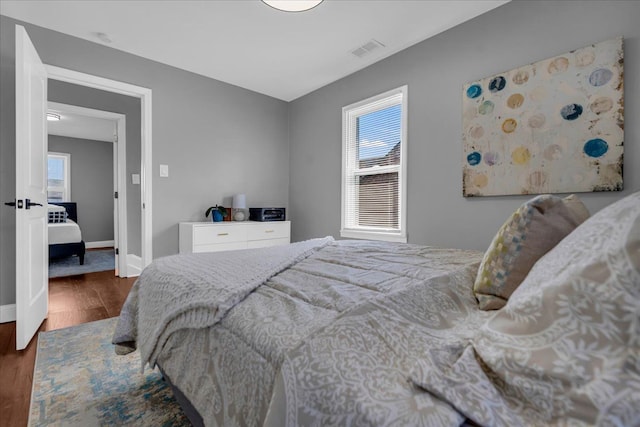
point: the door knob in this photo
(29, 203)
(15, 204)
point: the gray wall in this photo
(510, 36)
(217, 139)
(91, 184)
(83, 96)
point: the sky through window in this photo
(378, 132)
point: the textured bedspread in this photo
(346, 325)
(196, 291)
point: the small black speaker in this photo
(267, 214)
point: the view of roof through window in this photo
(378, 135)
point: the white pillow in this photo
(55, 208)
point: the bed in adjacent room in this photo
(65, 236)
(542, 328)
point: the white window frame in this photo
(350, 113)
(66, 190)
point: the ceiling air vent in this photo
(367, 48)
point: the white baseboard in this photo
(134, 265)
(7, 313)
(99, 244)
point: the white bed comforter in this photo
(346, 325)
(64, 232)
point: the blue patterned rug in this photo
(94, 260)
(79, 381)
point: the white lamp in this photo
(239, 203)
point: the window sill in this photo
(374, 235)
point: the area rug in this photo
(94, 260)
(79, 381)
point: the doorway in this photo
(88, 137)
(144, 94)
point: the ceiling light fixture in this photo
(292, 5)
(52, 117)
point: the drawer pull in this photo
(269, 231)
(223, 234)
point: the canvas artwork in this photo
(554, 126)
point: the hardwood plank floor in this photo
(72, 301)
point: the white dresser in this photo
(226, 236)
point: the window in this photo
(58, 177)
(374, 146)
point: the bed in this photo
(542, 328)
(65, 236)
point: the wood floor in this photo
(72, 301)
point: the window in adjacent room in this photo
(58, 177)
(374, 146)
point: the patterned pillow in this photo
(529, 233)
(565, 350)
(57, 214)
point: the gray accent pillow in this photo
(529, 233)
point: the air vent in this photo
(367, 48)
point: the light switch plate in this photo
(164, 171)
(135, 178)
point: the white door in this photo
(32, 260)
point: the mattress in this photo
(64, 232)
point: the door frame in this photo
(146, 178)
(119, 142)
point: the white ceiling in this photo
(249, 44)
(84, 123)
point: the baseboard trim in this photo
(7, 313)
(100, 244)
(134, 265)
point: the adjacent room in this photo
(319, 212)
(80, 157)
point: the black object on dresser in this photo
(267, 214)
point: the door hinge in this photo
(115, 195)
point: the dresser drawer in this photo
(231, 246)
(213, 235)
(269, 231)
